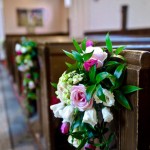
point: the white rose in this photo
(75, 142)
(17, 47)
(67, 114)
(97, 100)
(107, 115)
(98, 54)
(23, 50)
(57, 109)
(23, 68)
(108, 96)
(31, 85)
(90, 117)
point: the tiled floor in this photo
(14, 134)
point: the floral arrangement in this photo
(88, 92)
(27, 62)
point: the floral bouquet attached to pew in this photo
(88, 91)
(27, 62)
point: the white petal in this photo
(18, 47)
(107, 115)
(67, 113)
(90, 117)
(57, 109)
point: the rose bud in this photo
(65, 127)
(89, 146)
(89, 43)
(28, 75)
(19, 53)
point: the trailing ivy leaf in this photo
(108, 43)
(77, 56)
(110, 63)
(68, 64)
(101, 76)
(119, 50)
(119, 70)
(87, 56)
(130, 88)
(54, 85)
(89, 92)
(82, 144)
(83, 43)
(77, 46)
(100, 94)
(122, 99)
(118, 56)
(70, 55)
(92, 73)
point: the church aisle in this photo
(14, 134)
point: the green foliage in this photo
(119, 50)
(77, 46)
(92, 73)
(100, 93)
(129, 89)
(122, 99)
(90, 91)
(108, 43)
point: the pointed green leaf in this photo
(109, 63)
(77, 56)
(92, 73)
(68, 64)
(101, 76)
(73, 67)
(119, 50)
(89, 92)
(87, 56)
(100, 94)
(82, 144)
(119, 70)
(122, 99)
(84, 44)
(77, 46)
(54, 85)
(108, 43)
(70, 55)
(130, 88)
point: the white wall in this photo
(54, 15)
(105, 15)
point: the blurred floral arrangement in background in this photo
(89, 91)
(27, 62)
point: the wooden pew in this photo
(133, 127)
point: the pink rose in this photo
(89, 43)
(98, 55)
(78, 97)
(89, 63)
(65, 127)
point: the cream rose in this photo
(107, 115)
(109, 96)
(57, 109)
(90, 117)
(98, 55)
(67, 113)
